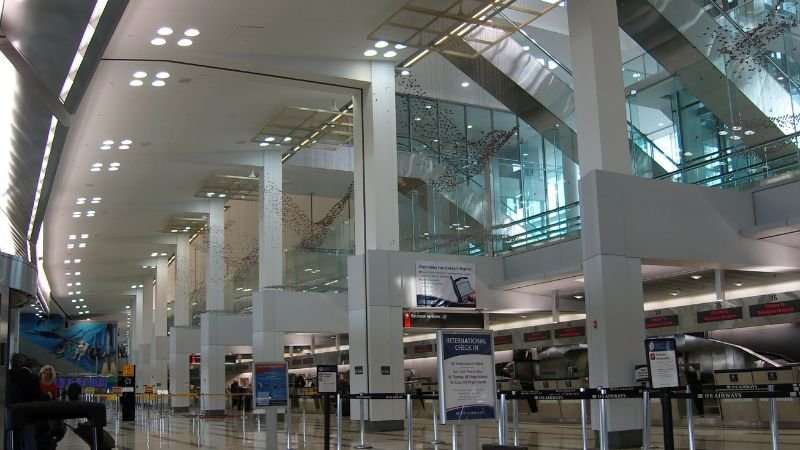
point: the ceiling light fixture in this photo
(124, 147)
(164, 31)
(158, 41)
(400, 46)
(136, 83)
(185, 42)
(158, 83)
(370, 52)
(390, 54)
(405, 73)
(105, 147)
(465, 84)
(381, 44)
(696, 277)
(154, 254)
(126, 142)
(77, 261)
(139, 74)
(161, 76)
(191, 32)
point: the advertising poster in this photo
(466, 375)
(446, 284)
(82, 347)
(271, 384)
(662, 362)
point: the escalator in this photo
(541, 94)
(708, 51)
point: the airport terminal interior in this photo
(400, 224)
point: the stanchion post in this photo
(690, 418)
(326, 411)
(436, 439)
(288, 424)
(666, 420)
(455, 437)
(773, 419)
(515, 420)
(338, 422)
(646, 419)
(501, 422)
(409, 423)
(304, 419)
(603, 422)
(362, 431)
(584, 435)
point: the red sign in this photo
(571, 332)
(717, 315)
(661, 321)
(775, 308)
(503, 339)
(537, 336)
(427, 348)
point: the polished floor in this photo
(185, 432)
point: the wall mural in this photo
(89, 345)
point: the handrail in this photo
(536, 44)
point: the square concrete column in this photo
(180, 307)
(613, 281)
(212, 365)
(160, 357)
(144, 331)
(215, 260)
(182, 342)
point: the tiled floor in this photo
(184, 432)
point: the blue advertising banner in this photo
(271, 384)
(82, 346)
(466, 375)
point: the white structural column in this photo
(160, 351)
(180, 307)
(268, 343)
(144, 332)
(215, 261)
(376, 334)
(613, 281)
(270, 221)
(179, 358)
(212, 355)
(375, 168)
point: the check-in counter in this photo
(788, 408)
(548, 409)
(570, 409)
(737, 409)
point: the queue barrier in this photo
(770, 392)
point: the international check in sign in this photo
(466, 375)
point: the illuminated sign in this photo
(717, 315)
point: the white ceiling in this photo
(199, 125)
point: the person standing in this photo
(47, 382)
(236, 398)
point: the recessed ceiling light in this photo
(158, 83)
(80, 300)
(96, 200)
(222, 195)
(722, 132)
(736, 128)
(390, 54)
(77, 274)
(141, 285)
(673, 294)
(95, 169)
(738, 284)
(126, 142)
(660, 124)
(400, 46)
(526, 48)
(114, 164)
(287, 139)
(264, 144)
(69, 284)
(82, 245)
(163, 254)
(66, 261)
(405, 73)
(70, 246)
(136, 83)
(77, 283)
(269, 139)
(127, 306)
(185, 42)
(381, 44)
(210, 194)
(735, 137)
(469, 126)
(749, 132)
(90, 213)
(370, 52)
(464, 84)
(154, 254)
(158, 41)
(139, 74)
(74, 300)
(105, 147)
(77, 261)
(164, 31)
(696, 277)
(113, 169)
(81, 200)
(124, 147)
(133, 286)
(191, 32)
(109, 141)
(72, 237)
(688, 154)
(162, 75)
(579, 297)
